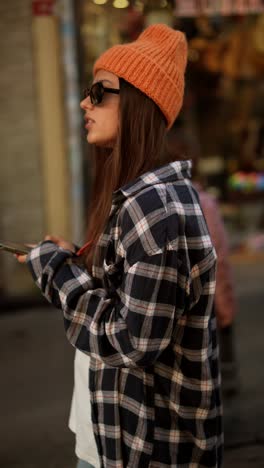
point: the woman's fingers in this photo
(57, 240)
(52, 238)
(20, 258)
(60, 242)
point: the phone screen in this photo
(14, 248)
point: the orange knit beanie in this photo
(155, 64)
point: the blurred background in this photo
(47, 52)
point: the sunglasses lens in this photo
(86, 93)
(96, 93)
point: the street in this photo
(37, 377)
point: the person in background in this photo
(225, 300)
(138, 297)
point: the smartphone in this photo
(15, 248)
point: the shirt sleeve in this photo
(130, 328)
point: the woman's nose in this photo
(86, 103)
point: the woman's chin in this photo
(91, 139)
(99, 140)
(94, 140)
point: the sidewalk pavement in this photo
(37, 377)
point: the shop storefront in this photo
(222, 120)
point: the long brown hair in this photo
(140, 147)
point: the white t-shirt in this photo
(80, 421)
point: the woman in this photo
(138, 297)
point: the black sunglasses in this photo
(96, 92)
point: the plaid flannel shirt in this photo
(145, 316)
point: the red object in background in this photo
(43, 7)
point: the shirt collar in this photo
(171, 172)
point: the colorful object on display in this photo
(191, 8)
(255, 242)
(43, 7)
(247, 182)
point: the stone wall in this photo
(21, 200)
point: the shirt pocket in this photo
(202, 278)
(113, 268)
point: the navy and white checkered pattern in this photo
(145, 317)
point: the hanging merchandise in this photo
(226, 7)
(243, 56)
(257, 54)
(186, 8)
(233, 53)
(236, 53)
(192, 8)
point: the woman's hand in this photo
(22, 258)
(61, 242)
(56, 240)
